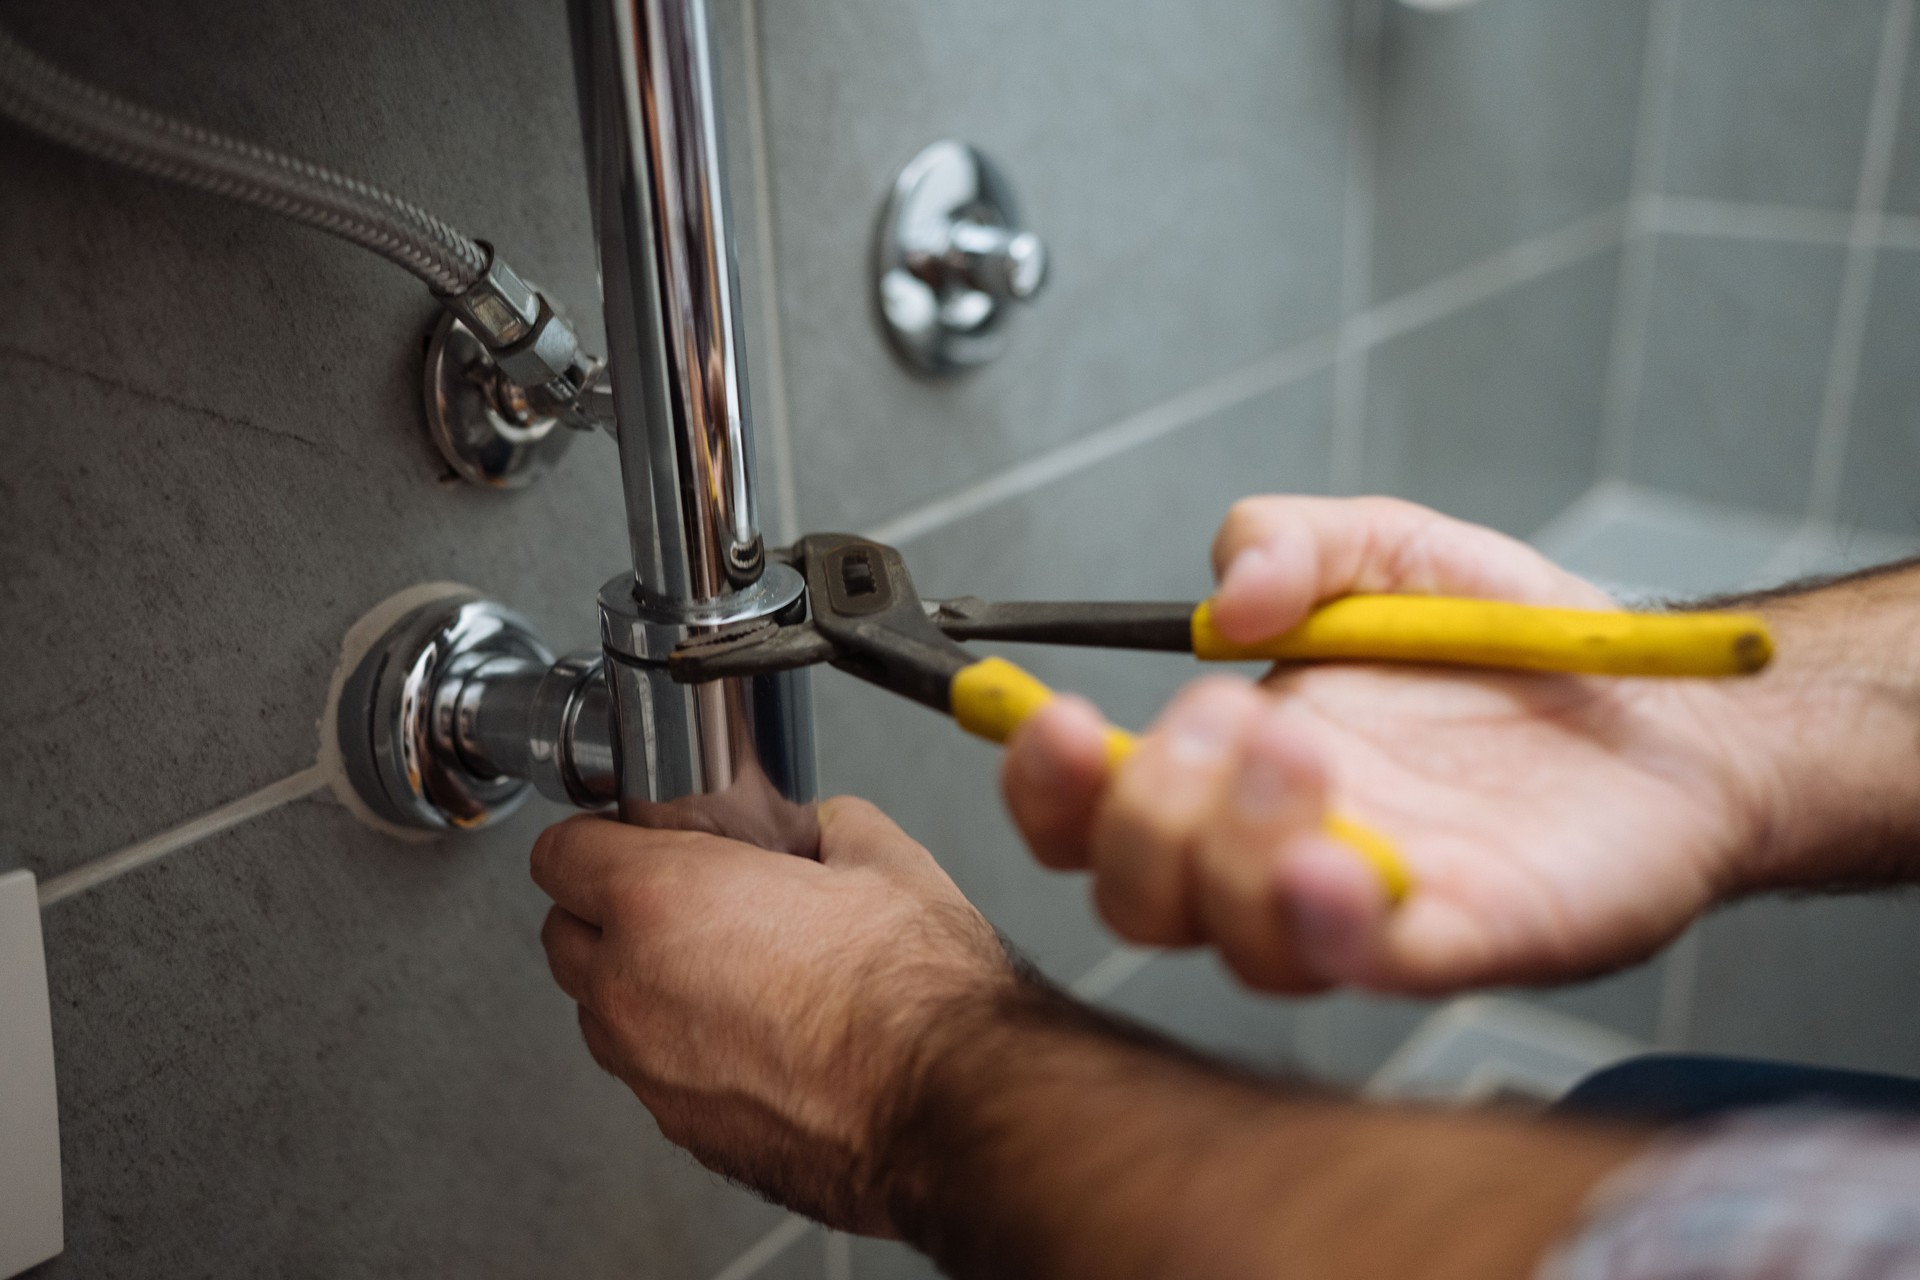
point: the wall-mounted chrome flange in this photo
(406, 707)
(952, 258)
(480, 420)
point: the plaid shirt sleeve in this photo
(1782, 1195)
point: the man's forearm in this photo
(1038, 1139)
(1833, 731)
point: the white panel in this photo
(30, 1228)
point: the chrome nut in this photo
(499, 307)
(551, 352)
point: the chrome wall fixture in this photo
(952, 258)
(459, 710)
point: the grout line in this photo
(1737, 220)
(1193, 405)
(837, 1264)
(1351, 358)
(1856, 290)
(780, 428)
(764, 1250)
(1633, 295)
(1107, 976)
(1492, 276)
(1899, 231)
(1781, 223)
(1488, 278)
(93, 874)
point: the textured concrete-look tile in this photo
(1135, 527)
(1498, 123)
(1903, 191)
(1183, 162)
(1882, 485)
(1345, 1038)
(1493, 414)
(1812, 980)
(1642, 544)
(887, 1260)
(217, 461)
(1192, 998)
(304, 1049)
(1770, 99)
(1737, 350)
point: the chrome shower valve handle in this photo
(952, 259)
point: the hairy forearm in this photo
(1832, 734)
(1039, 1139)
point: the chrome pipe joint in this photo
(459, 710)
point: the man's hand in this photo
(848, 1038)
(767, 1009)
(1555, 826)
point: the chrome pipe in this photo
(658, 189)
(459, 710)
(733, 756)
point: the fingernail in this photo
(1262, 791)
(1200, 729)
(1243, 566)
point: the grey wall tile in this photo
(1136, 527)
(1183, 162)
(1812, 980)
(804, 1259)
(1737, 349)
(1191, 997)
(1344, 1038)
(1903, 191)
(304, 1049)
(218, 461)
(1493, 414)
(1770, 99)
(1627, 1002)
(246, 472)
(1882, 485)
(888, 1260)
(1642, 544)
(1497, 123)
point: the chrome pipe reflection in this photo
(734, 756)
(654, 160)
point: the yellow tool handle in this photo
(993, 697)
(1492, 633)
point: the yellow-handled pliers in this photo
(863, 616)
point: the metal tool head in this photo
(865, 617)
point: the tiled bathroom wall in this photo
(1633, 277)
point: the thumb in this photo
(855, 833)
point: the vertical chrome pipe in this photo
(734, 755)
(655, 158)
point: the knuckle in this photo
(1258, 967)
(1134, 913)
(1243, 524)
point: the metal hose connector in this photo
(39, 96)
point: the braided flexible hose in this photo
(41, 97)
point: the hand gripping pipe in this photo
(459, 705)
